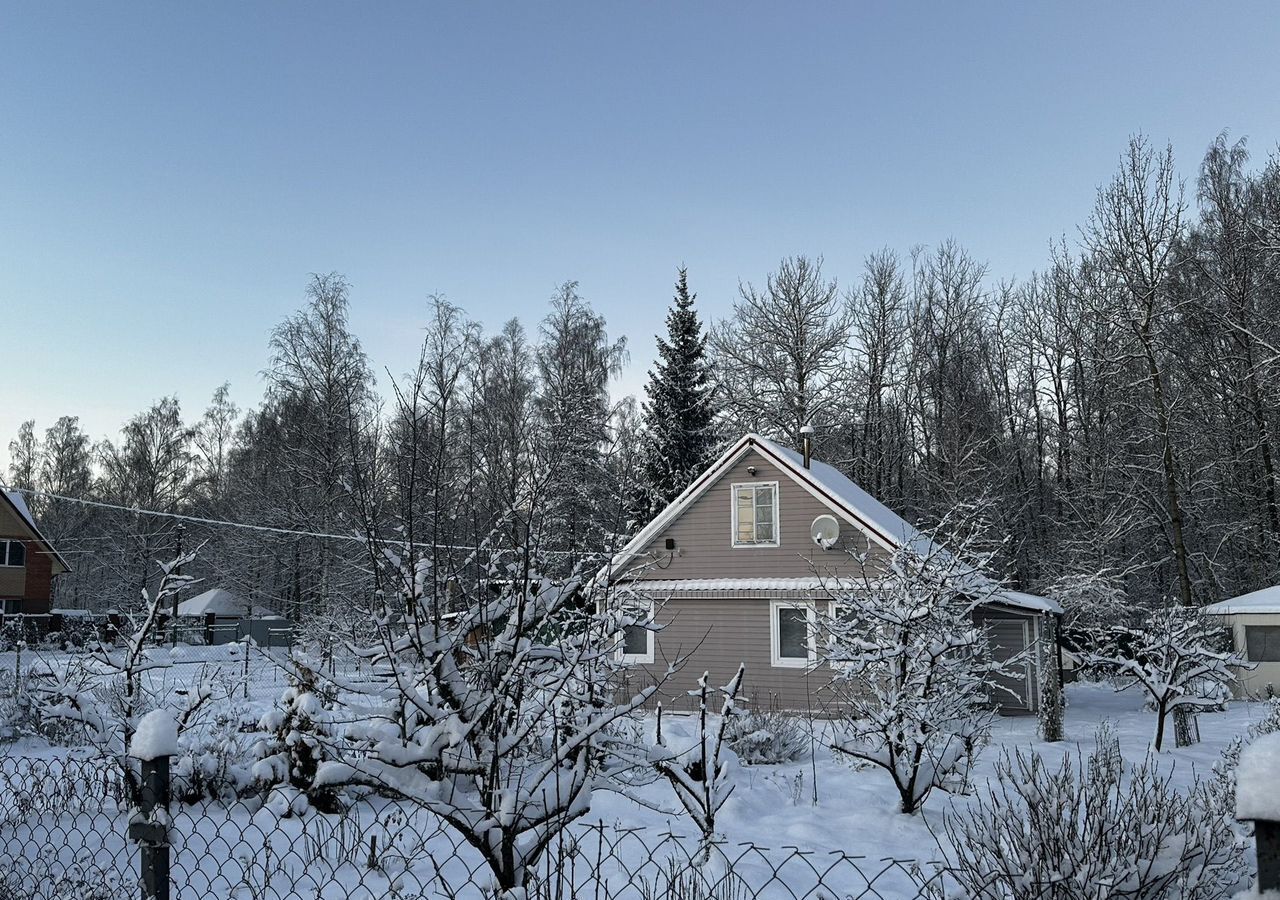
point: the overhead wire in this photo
(272, 529)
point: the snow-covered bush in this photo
(767, 737)
(1177, 659)
(298, 738)
(214, 761)
(496, 704)
(700, 775)
(1089, 829)
(914, 675)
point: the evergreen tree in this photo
(679, 438)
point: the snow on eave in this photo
(1266, 600)
(1013, 599)
(1028, 601)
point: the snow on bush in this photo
(701, 775)
(914, 675)
(1089, 829)
(767, 737)
(297, 740)
(1258, 780)
(495, 709)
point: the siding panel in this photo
(714, 636)
(703, 535)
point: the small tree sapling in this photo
(700, 775)
(1174, 659)
(914, 674)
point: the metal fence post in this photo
(150, 828)
(1267, 834)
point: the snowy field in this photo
(821, 807)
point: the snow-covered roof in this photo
(881, 524)
(219, 602)
(661, 586)
(1029, 601)
(19, 504)
(1266, 600)
(873, 515)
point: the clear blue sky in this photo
(170, 173)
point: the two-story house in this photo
(28, 562)
(737, 576)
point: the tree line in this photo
(1113, 416)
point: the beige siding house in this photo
(734, 574)
(1254, 620)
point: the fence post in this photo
(1267, 834)
(150, 828)
(1258, 802)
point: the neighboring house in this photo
(738, 577)
(1254, 620)
(223, 617)
(28, 562)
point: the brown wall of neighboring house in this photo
(31, 584)
(39, 582)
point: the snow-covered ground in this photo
(820, 806)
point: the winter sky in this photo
(170, 173)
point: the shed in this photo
(1254, 620)
(225, 617)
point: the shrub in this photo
(767, 738)
(1088, 829)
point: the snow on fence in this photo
(65, 828)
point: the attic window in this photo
(755, 514)
(16, 554)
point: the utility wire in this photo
(270, 529)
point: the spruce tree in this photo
(679, 436)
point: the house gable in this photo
(702, 530)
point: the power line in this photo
(271, 529)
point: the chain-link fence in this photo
(83, 829)
(65, 833)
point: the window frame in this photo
(4, 557)
(647, 657)
(733, 514)
(1270, 635)
(776, 659)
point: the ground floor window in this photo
(637, 640)
(1262, 643)
(791, 630)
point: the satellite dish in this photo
(825, 531)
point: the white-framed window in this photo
(793, 628)
(13, 553)
(755, 514)
(636, 643)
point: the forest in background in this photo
(1113, 417)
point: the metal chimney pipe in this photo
(806, 443)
